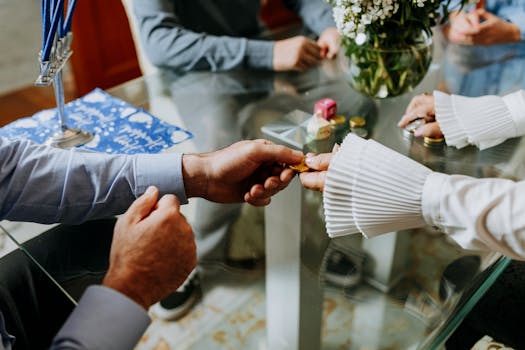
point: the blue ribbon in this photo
(53, 23)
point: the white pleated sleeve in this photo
(373, 190)
(482, 121)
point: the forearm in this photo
(483, 214)
(47, 185)
(169, 44)
(482, 121)
(374, 190)
(103, 319)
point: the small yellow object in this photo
(300, 167)
(432, 142)
(357, 122)
(338, 120)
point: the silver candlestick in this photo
(51, 73)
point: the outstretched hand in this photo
(248, 171)
(315, 180)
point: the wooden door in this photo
(103, 49)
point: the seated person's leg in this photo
(33, 307)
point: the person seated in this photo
(483, 121)
(219, 36)
(47, 185)
(497, 22)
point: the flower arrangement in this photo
(388, 42)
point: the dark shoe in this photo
(178, 303)
(342, 268)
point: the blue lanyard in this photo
(53, 23)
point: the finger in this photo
(270, 153)
(422, 112)
(271, 183)
(311, 48)
(313, 181)
(287, 175)
(169, 201)
(429, 130)
(143, 205)
(336, 148)
(319, 162)
(419, 100)
(309, 60)
(473, 18)
(258, 202)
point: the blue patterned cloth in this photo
(118, 127)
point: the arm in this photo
(103, 319)
(168, 44)
(483, 121)
(152, 252)
(46, 185)
(372, 189)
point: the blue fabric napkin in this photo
(118, 127)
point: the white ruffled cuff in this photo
(483, 121)
(446, 117)
(372, 189)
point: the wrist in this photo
(120, 283)
(194, 175)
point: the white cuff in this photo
(485, 121)
(387, 191)
(448, 121)
(372, 189)
(337, 195)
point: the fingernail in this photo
(418, 133)
(150, 190)
(309, 161)
(298, 153)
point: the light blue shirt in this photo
(47, 185)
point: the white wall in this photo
(20, 36)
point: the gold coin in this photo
(300, 167)
(357, 122)
(430, 141)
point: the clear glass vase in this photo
(381, 68)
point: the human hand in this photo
(480, 27)
(296, 53)
(329, 43)
(153, 249)
(248, 171)
(314, 180)
(422, 107)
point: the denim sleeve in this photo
(47, 185)
(516, 15)
(316, 14)
(168, 44)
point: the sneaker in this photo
(343, 268)
(487, 343)
(178, 303)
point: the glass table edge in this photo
(498, 267)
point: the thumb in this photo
(143, 205)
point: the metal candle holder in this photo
(51, 73)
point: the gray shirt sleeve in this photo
(168, 44)
(104, 319)
(48, 185)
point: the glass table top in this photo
(407, 290)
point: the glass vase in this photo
(381, 68)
